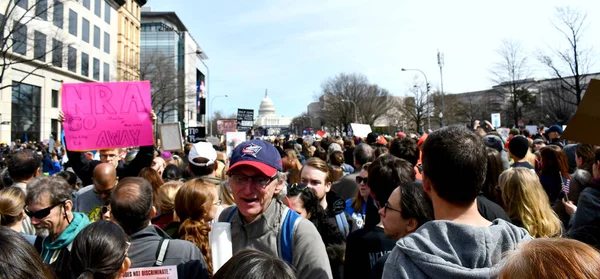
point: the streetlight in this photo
(440, 58)
(426, 92)
(355, 108)
(211, 109)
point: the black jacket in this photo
(490, 210)
(184, 254)
(363, 248)
(335, 206)
(84, 168)
(585, 223)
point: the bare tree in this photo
(301, 122)
(15, 40)
(555, 110)
(512, 74)
(415, 107)
(570, 64)
(351, 98)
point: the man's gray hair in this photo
(56, 187)
(282, 178)
(363, 154)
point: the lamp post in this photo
(440, 58)
(211, 109)
(207, 84)
(426, 92)
(355, 108)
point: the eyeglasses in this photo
(258, 180)
(105, 192)
(387, 206)
(360, 179)
(218, 202)
(299, 186)
(42, 213)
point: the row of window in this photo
(85, 31)
(98, 8)
(26, 112)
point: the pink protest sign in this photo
(107, 114)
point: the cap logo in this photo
(251, 150)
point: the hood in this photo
(79, 222)
(335, 203)
(444, 249)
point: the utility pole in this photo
(440, 59)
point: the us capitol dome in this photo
(268, 119)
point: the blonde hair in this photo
(166, 196)
(552, 258)
(12, 201)
(526, 202)
(225, 193)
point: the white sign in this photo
(233, 139)
(503, 132)
(360, 130)
(533, 129)
(496, 120)
(161, 272)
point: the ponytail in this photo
(87, 273)
(196, 231)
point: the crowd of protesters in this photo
(455, 203)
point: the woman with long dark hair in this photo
(554, 171)
(100, 252)
(490, 188)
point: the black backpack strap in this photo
(38, 244)
(161, 251)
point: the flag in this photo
(201, 90)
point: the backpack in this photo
(285, 242)
(342, 223)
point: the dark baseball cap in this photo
(259, 154)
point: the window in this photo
(106, 11)
(39, 46)
(58, 14)
(57, 53)
(96, 36)
(106, 43)
(72, 22)
(96, 69)
(22, 3)
(106, 72)
(85, 30)
(54, 98)
(85, 64)
(86, 3)
(19, 38)
(41, 9)
(72, 59)
(98, 7)
(54, 128)
(25, 117)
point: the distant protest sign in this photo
(161, 272)
(102, 115)
(170, 136)
(360, 130)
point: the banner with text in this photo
(195, 134)
(107, 114)
(245, 119)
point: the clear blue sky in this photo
(291, 47)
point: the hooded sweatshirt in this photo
(445, 249)
(57, 253)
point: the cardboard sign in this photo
(496, 120)
(503, 133)
(170, 136)
(226, 125)
(195, 134)
(360, 130)
(102, 115)
(161, 272)
(232, 140)
(581, 127)
(245, 119)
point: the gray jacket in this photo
(308, 255)
(445, 249)
(183, 254)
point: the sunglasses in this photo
(105, 192)
(360, 179)
(42, 213)
(299, 186)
